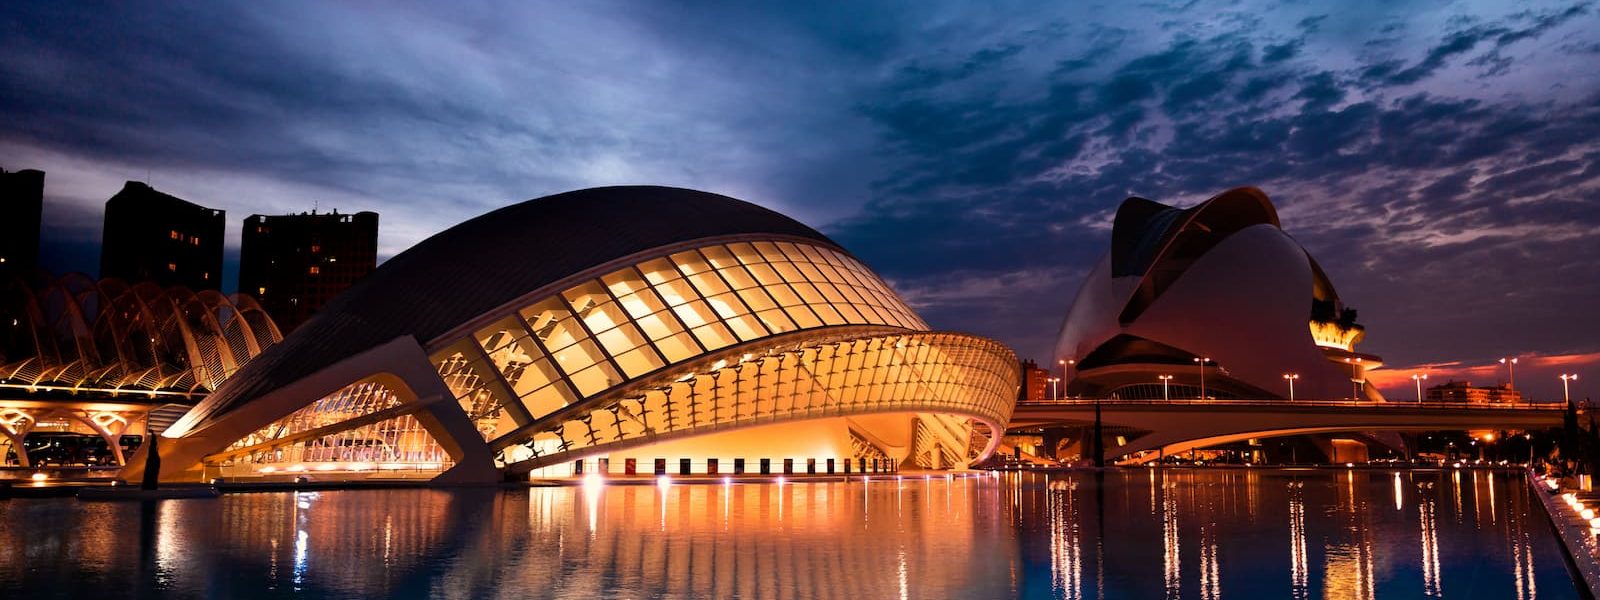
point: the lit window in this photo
(172, 267)
(195, 240)
(261, 291)
(315, 248)
(174, 234)
(316, 270)
(206, 276)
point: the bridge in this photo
(1180, 425)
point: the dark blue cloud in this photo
(1441, 161)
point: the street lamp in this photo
(1290, 377)
(1053, 394)
(1419, 379)
(1164, 379)
(1565, 379)
(1202, 360)
(1529, 438)
(1511, 367)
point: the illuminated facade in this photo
(1217, 297)
(638, 323)
(84, 357)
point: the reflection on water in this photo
(1144, 533)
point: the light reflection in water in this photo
(1297, 546)
(1430, 544)
(1172, 551)
(957, 538)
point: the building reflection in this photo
(1020, 535)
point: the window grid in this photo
(660, 312)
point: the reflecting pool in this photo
(1141, 533)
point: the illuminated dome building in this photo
(1219, 280)
(81, 358)
(631, 324)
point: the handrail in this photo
(1381, 405)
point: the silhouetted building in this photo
(1035, 383)
(21, 204)
(1464, 391)
(295, 264)
(156, 237)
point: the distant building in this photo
(1464, 391)
(21, 204)
(156, 237)
(295, 264)
(1035, 382)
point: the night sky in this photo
(1440, 159)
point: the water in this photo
(1140, 534)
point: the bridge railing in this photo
(1278, 403)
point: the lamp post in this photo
(1053, 394)
(1511, 368)
(1290, 377)
(1419, 379)
(1354, 381)
(1202, 360)
(1529, 438)
(1064, 362)
(1165, 397)
(1566, 378)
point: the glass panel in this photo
(695, 314)
(549, 399)
(757, 299)
(659, 325)
(532, 377)
(640, 361)
(811, 295)
(738, 277)
(658, 270)
(714, 336)
(784, 295)
(810, 272)
(561, 334)
(792, 252)
(719, 257)
(621, 339)
(747, 327)
(813, 253)
(828, 314)
(764, 274)
(689, 262)
(595, 379)
(708, 283)
(676, 292)
(788, 272)
(643, 303)
(678, 347)
(746, 253)
(770, 252)
(604, 317)
(727, 305)
(850, 314)
(586, 295)
(803, 317)
(579, 356)
(776, 321)
(624, 282)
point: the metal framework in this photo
(78, 334)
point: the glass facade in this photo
(638, 319)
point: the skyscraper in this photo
(151, 236)
(295, 264)
(21, 203)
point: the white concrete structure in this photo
(1217, 296)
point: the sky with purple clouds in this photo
(1441, 159)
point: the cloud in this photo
(1440, 161)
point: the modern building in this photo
(21, 207)
(1220, 299)
(156, 237)
(87, 366)
(648, 329)
(295, 264)
(1464, 391)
